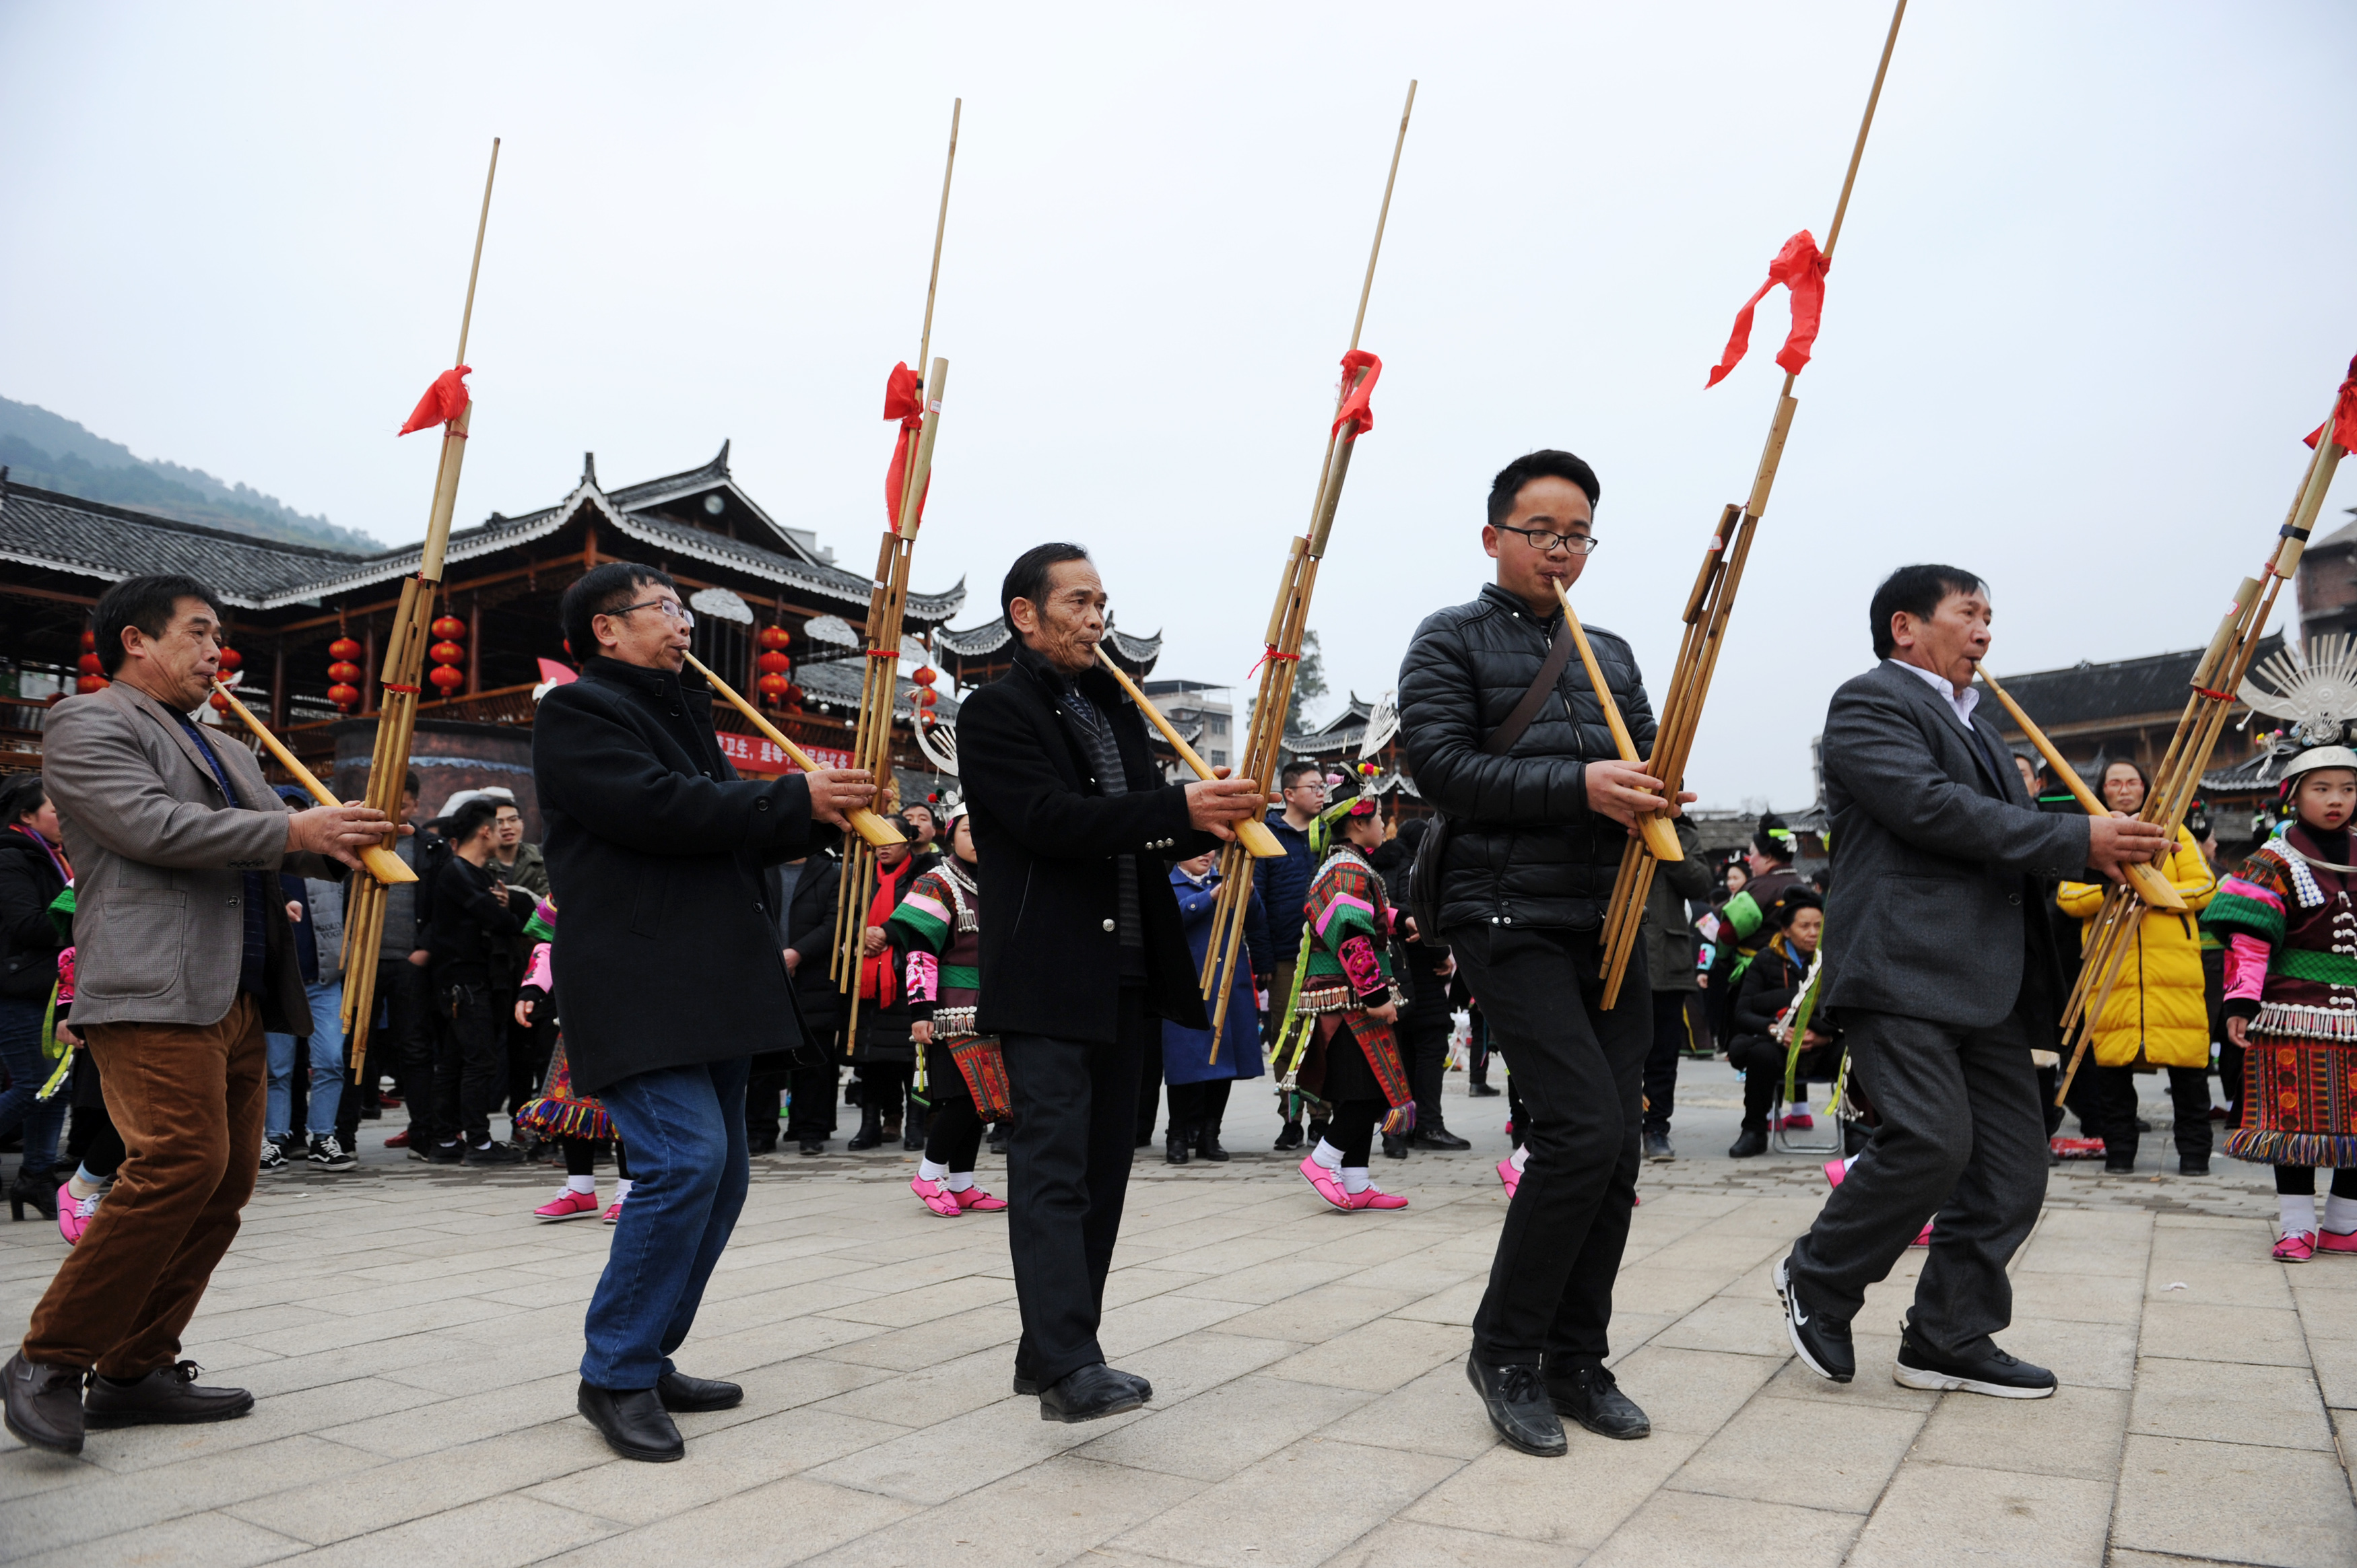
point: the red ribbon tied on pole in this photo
(445, 401)
(904, 399)
(1799, 266)
(1357, 402)
(2345, 415)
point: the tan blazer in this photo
(159, 860)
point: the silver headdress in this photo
(2314, 689)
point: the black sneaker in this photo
(1996, 1373)
(448, 1154)
(1821, 1343)
(1288, 1136)
(2189, 1167)
(1437, 1137)
(328, 1152)
(490, 1153)
(1480, 1091)
(1657, 1148)
(274, 1158)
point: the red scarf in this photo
(878, 975)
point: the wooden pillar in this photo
(278, 685)
(474, 644)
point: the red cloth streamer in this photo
(1801, 267)
(2345, 415)
(904, 399)
(1358, 402)
(445, 401)
(1266, 654)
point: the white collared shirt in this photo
(1961, 706)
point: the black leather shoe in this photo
(2189, 1167)
(1752, 1141)
(1030, 1386)
(2119, 1164)
(1823, 1344)
(1091, 1393)
(870, 1133)
(1516, 1399)
(813, 1145)
(1994, 1373)
(1288, 1136)
(1207, 1147)
(678, 1391)
(44, 1404)
(1480, 1091)
(1174, 1150)
(168, 1396)
(1436, 1138)
(1657, 1148)
(633, 1423)
(1394, 1147)
(1591, 1396)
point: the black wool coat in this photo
(28, 942)
(1047, 836)
(810, 931)
(667, 953)
(1526, 850)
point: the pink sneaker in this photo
(938, 1198)
(614, 1212)
(1924, 1239)
(1374, 1198)
(2326, 1241)
(1509, 1175)
(2297, 1247)
(568, 1205)
(1328, 1183)
(74, 1213)
(1797, 1121)
(980, 1202)
(1835, 1171)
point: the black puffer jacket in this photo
(1526, 850)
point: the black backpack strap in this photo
(1502, 738)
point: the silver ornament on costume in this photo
(2313, 689)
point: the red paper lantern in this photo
(772, 638)
(447, 653)
(344, 696)
(89, 639)
(926, 699)
(89, 665)
(230, 659)
(773, 663)
(775, 687)
(794, 695)
(88, 683)
(925, 676)
(343, 672)
(449, 679)
(221, 702)
(343, 651)
(449, 628)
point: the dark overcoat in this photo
(669, 953)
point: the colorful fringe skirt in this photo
(558, 1112)
(2299, 1100)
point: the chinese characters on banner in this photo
(752, 754)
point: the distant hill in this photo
(43, 449)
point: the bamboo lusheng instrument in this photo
(871, 827)
(2224, 664)
(1710, 602)
(403, 675)
(1258, 842)
(1661, 838)
(2145, 878)
(379, 862)
(1265, 740)
(888, 603)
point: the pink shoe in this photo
(980, 1202)
(2297, 1247)
(614, 1212)
(1924, 1240)
(568, 1205)
(1373, 1199)
(1328, 1183)
(938, 1198)
(1835, 1171)
(74, 1213)
(2326, 1241)
(1509, 1175)
(1797, 1121)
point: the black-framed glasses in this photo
(672, 608)
(1546, 541)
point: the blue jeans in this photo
(685, 1127)
(326, 1066)
(20, 1053)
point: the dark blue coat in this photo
(1186, 1052)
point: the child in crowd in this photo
(937, 929)
(578, 1122)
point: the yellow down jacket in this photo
(2156, 1016)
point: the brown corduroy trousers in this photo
(188, 1101)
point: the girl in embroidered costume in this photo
(2288, 919)
(937, 932)
(1343, 1007)
(577, 1121)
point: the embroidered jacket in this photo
(2289, 926)
(938, 927)
(1346, 929)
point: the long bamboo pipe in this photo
(864, 822)
(1660, 837)
(1258, 842)
(382, 862)
(2149, 884)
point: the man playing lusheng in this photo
(1943, 970)
(1538, 821)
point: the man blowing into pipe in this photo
(1082, 955)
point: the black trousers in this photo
(953, 1136)
(403, 1048)
(1149, 1097)
(1421, 1033)
(1578, 1070)
(1068, 1173)
(1672, 1033)
(1352, 1130)
(469, 1063)
(1198, 1108)
(2113, 1097)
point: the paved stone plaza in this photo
(411, 1336)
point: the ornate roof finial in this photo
(721, 462)
(588, 468)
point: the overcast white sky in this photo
(2096, 281)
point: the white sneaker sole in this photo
(1908, 1377)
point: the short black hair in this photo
(1917, 590)
(1791, 902)
(1027, 578)
(470, 819)
(602, 590)
(21, 795)
(147, 603)
(1294, 771)
(1544, 464)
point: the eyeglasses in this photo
(1547, 542)
(671, 607)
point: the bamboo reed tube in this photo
(1258, 842)
(380, 861)
(864, 822)
(1661, 838)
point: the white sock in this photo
(621, 1189)
(1849, 1162)
(960, 1180)
(1327, 1155)
(930, 1170)
(1355, 1178)
(2341, 1214)
(2299, 1211)
(1521, 1159)
(583, 1184)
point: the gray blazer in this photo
(1938, 853)
(159, 859)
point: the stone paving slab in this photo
(412, 1336)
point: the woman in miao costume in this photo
(2288, 919)
(578, 1122)
(937, 931)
